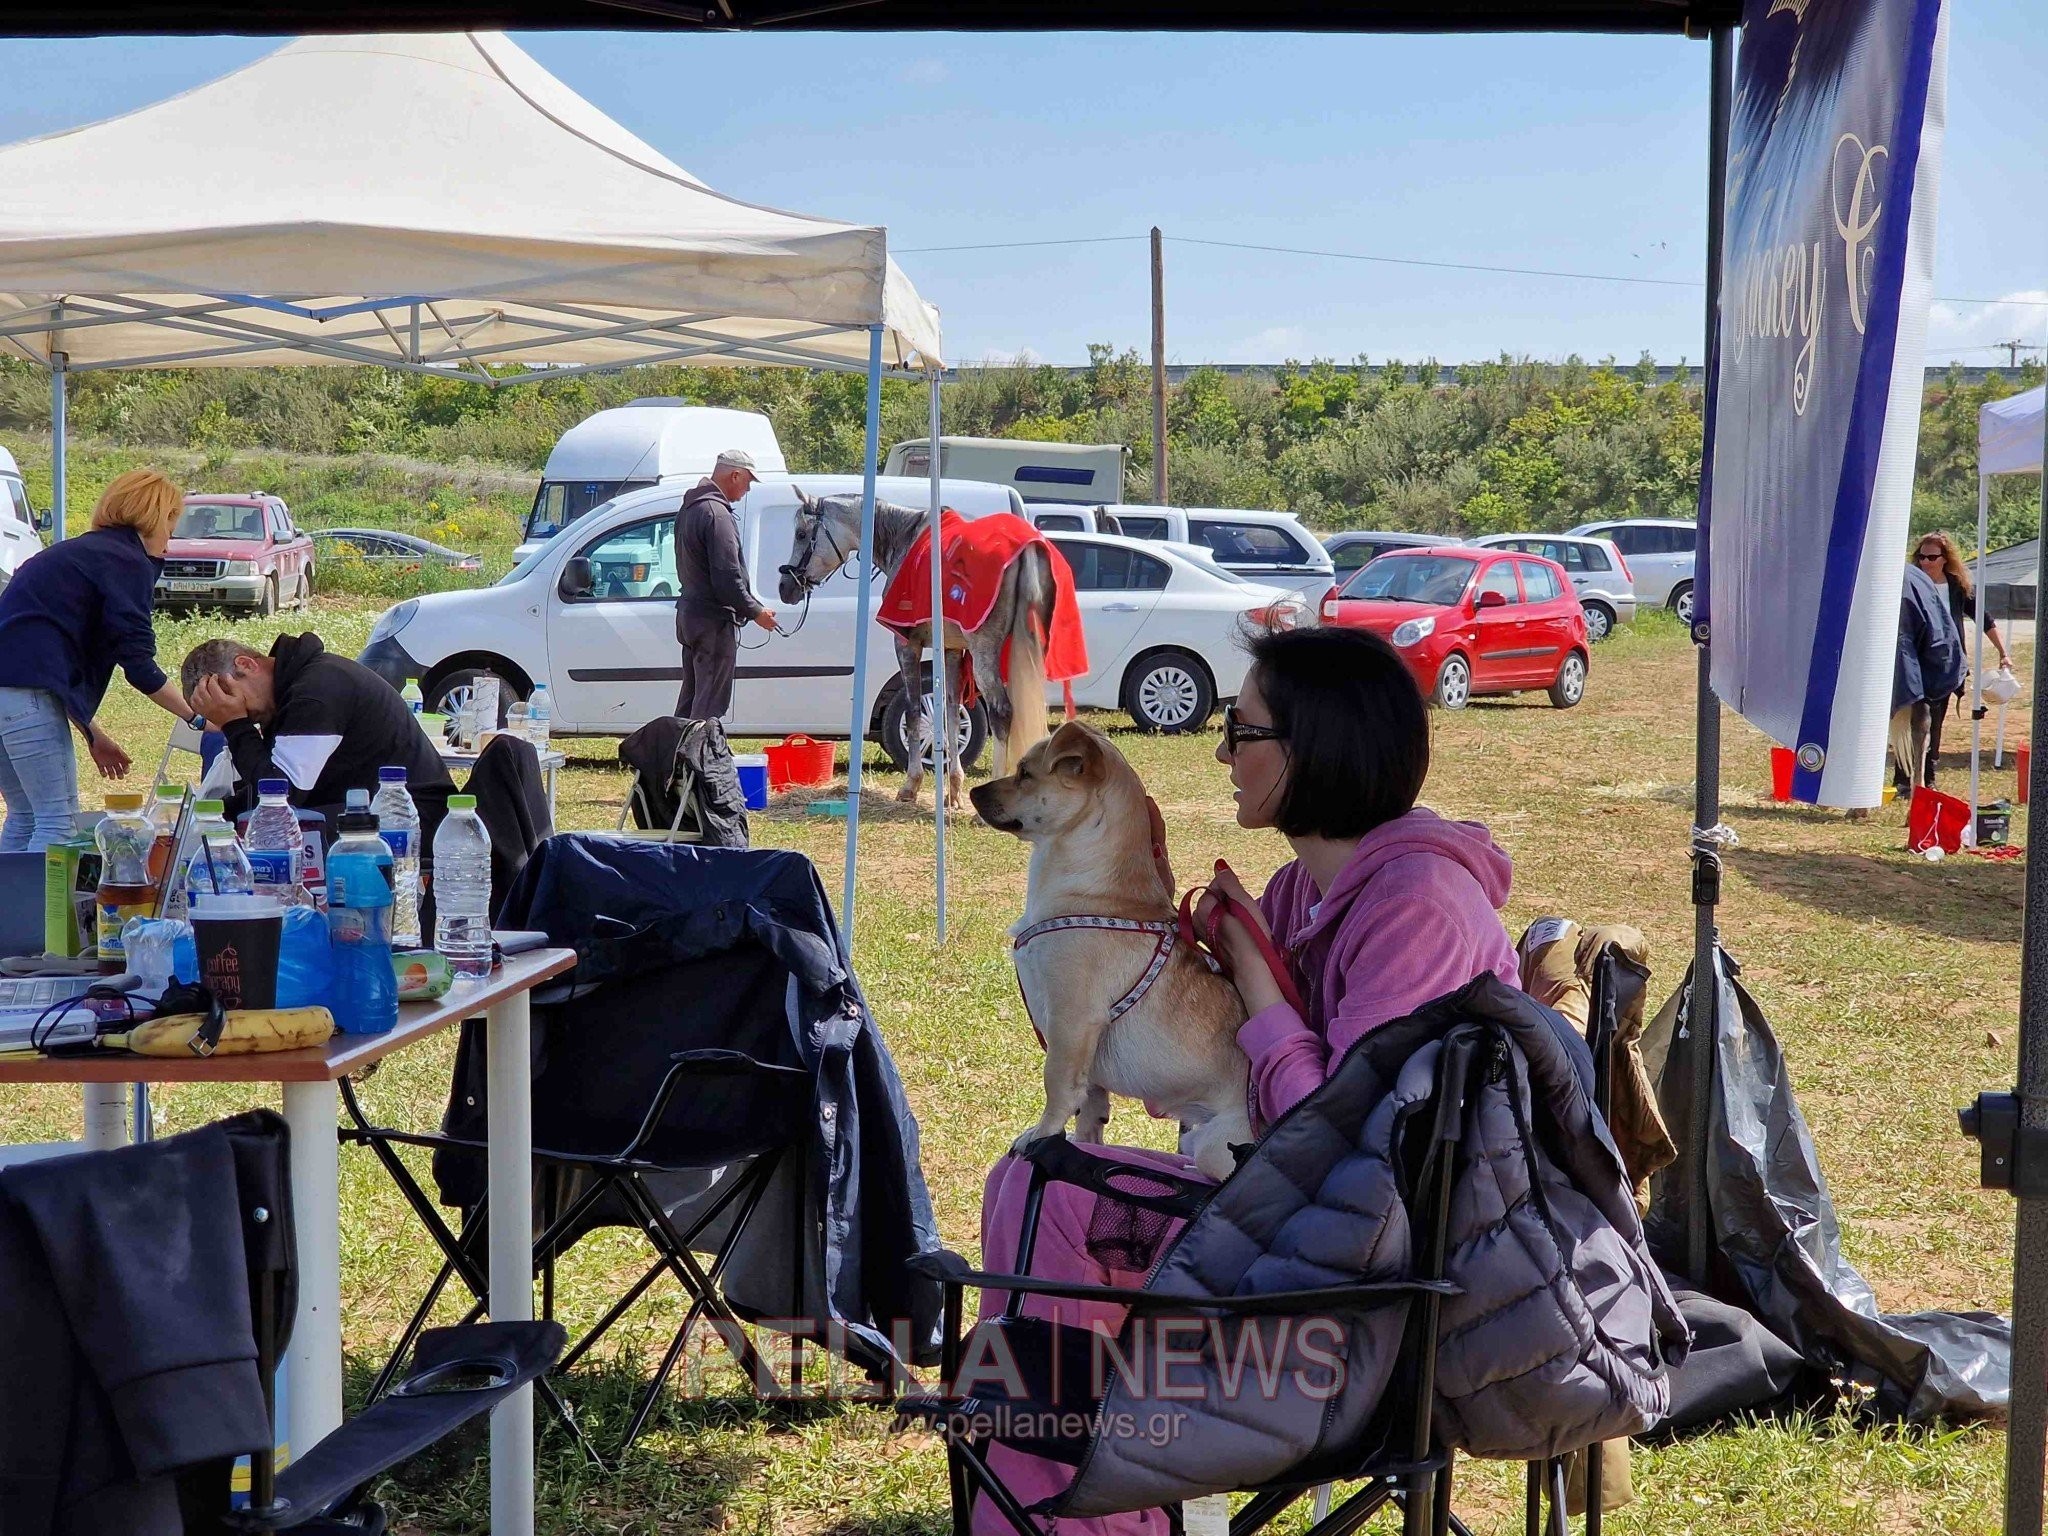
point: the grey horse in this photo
(828, 532)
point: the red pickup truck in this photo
(236, 552)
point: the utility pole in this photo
(1158, 370)
(2012, 351)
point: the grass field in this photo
(1892, 982)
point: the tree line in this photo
(1479, 448)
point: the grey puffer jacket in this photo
(1559, 1339)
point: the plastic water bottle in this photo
(276, 846)
(540, 717)
(411, 694)
(462, 890)
(398, 821)
(365, 989)
(219, 867)
(206, 817)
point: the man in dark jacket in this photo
(1929, 669)
(320, 721)
(713, 597)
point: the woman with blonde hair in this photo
(1941, 561)
(72, 613)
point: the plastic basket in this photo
(799, 761)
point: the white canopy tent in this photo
(435, 203)
(2009, 439)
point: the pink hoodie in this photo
(1412, 916)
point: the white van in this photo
(652, 441)
(1067, 474)
(609, 656)
(18, 520)
(1271, 547)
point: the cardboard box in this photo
(71, 882)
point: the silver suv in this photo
(1600, 577)
(1659, 551)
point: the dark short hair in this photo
(1355, 726)
(212, 658)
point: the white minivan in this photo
(1270, 547)
(651, 441)
(609, 655)
(18, 520)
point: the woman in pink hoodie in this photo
(1384, 907)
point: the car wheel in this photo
(450, 693)
(1599, 621)
(305, 586)
(1453, 683)
(970, 731)
(1169, 692)
(1681, 603)
(268, 604)
(1570, 686)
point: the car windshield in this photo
(220, 520)
(1394, 578)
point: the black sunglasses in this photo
(1236, 733)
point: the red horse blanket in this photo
(974, 553)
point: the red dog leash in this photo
(1229, 906)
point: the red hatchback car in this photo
(1471, 621)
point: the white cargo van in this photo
(1071, 474)
(654, 441)
(1270, 547)
(18, 521)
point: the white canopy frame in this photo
(2009, 442)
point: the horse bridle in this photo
(798, 570)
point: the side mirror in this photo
(578, 579)
(1493, 599)
(45, 520)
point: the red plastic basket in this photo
(799, 761)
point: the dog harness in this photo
(1166, 934)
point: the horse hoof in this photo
(907, 795)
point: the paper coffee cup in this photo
(237, 938)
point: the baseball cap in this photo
(737, 458)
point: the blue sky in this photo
(1584, 154)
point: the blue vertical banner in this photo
(1813, 408)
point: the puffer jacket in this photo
(1562, 1332)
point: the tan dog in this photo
(1123, 1004)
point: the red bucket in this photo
(1783, 761)
(799, 761)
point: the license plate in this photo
(188, 586)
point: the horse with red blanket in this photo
(1010, 614)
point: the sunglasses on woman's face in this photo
(1236, 733)
(1928, 554)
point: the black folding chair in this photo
(456, 1373)
(1400, 1460)
(1546, 1484)
(675, 1084)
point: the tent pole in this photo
(1702, 1017)
(1977, 659)
(60, 367)
(2026, 1433)
(863, 621)
(942, 706)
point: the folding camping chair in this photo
(1399, 1458)
(669, 1081)
(684, 787)
(1545, 1483)
(456, 1374)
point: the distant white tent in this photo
(2009, 442)
(417, 201)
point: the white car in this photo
(19, 522)
(1162, 627)
(1271, 547)
(1660, 553)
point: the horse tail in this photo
(1027, 656)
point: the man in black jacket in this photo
(713, 597)
(324, 723)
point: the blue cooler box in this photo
(753, 770)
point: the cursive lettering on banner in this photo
(1857, 207)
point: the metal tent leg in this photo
(863, 622)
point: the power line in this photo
(1397, 261)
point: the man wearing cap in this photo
(712, 596)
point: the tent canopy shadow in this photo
(1959, 898)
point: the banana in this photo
(248, 1030)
